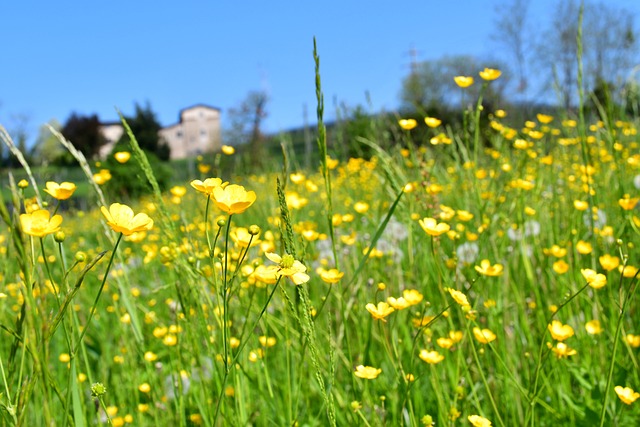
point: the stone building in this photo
(198, 131)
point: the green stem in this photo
(95, 303)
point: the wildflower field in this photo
(483, 276)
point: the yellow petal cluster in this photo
(433, 227)
(39, 224)
(233, 199)
(60, 191)
(121, 219)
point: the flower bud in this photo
(254, 230)
(59, 236)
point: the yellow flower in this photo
(380, 311)
(121, 219)
(208, 185)
(330, 276)
(628, 271)
(267, 275)
(628, 203)
(228, 150)
(233, 199)
(122, 156)
(562, 350)
(633, 340)
(38, 223)
(478, 421)
(144, 387)
(593, 327)
(626, 394)
(609, 262)
(407, 124)
(361, 207)
(432, 122)
(463, 81)
(490, 74)
(560, 266)
(412, 296)
(459, 297)
(204, 168)
(431, 357)
(580, 205)
(432, 227)
(60, 191)
(594, 279)
(484, 336)
(289, 267)
(485, 268)
(101, 177)
(544, 119)
(584, 248)
(398, 303)
(367, 372)
(560, 332)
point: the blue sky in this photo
(91, 56)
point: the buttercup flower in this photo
(463, 81)
(60, 191)
(489, 74)
(626, 394)
(459, 297)
(593, 327)
(330, 276)
(484, 336)
(594, 279)
(233, 199)
(562, 350)
(609, 262)
(122, 156)
(431, 357)
(228, 150)
(485, 268)
(559, 331)
(289, 267)
(121, 219)
(432, 227)
(367, 372)
(544, 118)
(38, 223)
(432, 122)
(407, 124)
(380, 311)
(478, 421)
(208, 185)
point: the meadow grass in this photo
(445, 281)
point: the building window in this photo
(179, 134)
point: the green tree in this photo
(48, 149)
(84, 133)
(145, 127)
(430, 85)
(246, 124)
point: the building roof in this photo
(209, 107)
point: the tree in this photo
(145, 127)
(430, 86)
(246, 123)
(84, 133)
(513, 36)
(609, 45)
(48, 149)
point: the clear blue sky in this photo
(90, 56)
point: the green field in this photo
(476, 276)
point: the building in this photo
(198, 131)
